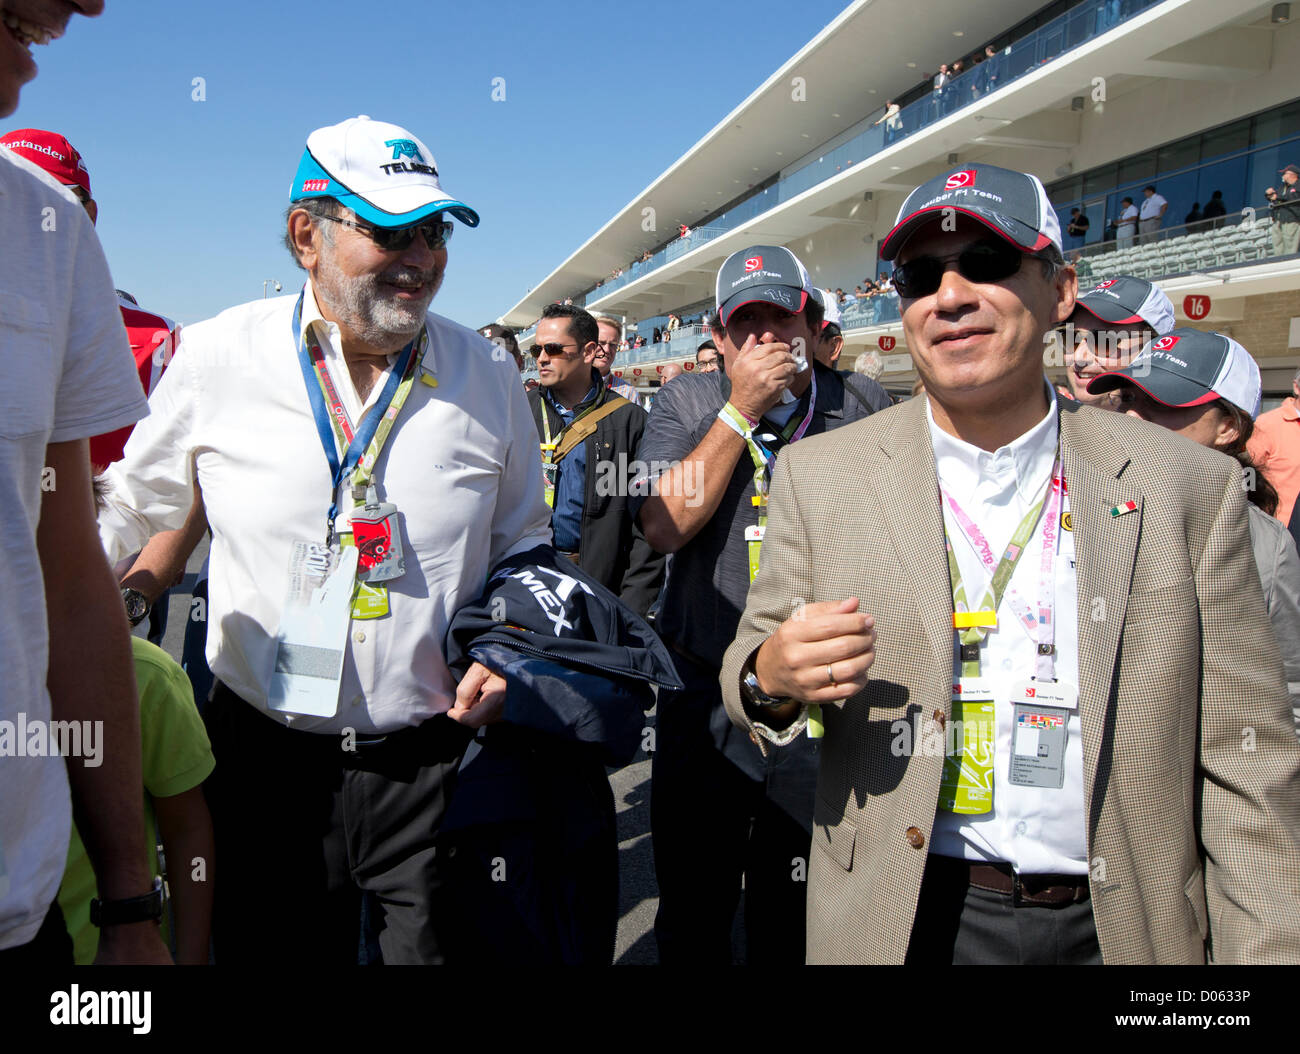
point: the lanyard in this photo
(764, 459)
(329, 420)
(972, 631)
(549, 446)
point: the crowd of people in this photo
(901, 740)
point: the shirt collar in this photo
(1026, 461)
(593, 393)
(1291, 409)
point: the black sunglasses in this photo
(397, 239)
(554, 351)
(984, 261)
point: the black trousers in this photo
(712, 824)
(960, 925)
(303, 826)
(50, 948)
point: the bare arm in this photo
(186, 830)
(162, 561)
(687, 495)
(91, 679)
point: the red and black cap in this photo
(1188, 367)
(1011, 204)
(1128, 301)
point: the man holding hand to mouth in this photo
(364, 464)
(1073, 741)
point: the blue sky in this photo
(600, 98)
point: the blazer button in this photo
(915, 838)
(940, 718)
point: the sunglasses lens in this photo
(989, 262)
(983, 262)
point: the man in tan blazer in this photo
(1125, 786)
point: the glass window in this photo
(1142, 166)
(1228, 176)
(1279, 123)
(1182, 154)
(1100, 180)
(1067, 190)
(1225, 140)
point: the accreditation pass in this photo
(313, 630)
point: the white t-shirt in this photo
(1129, 217)
(69, 375)
(1151, 207)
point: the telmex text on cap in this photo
(380, 171)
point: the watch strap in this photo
(147, 907)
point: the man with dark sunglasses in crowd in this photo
(364, 464)
(1043, 760)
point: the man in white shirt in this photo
(1127, 224)
(64, 648)
(1042, 762)
(1152, 213)
(364, 464)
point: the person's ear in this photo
(1066, 285)
(303, 236)
(589, 352)
(1226, 431)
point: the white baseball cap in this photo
(378, 170)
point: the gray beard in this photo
(365, 305)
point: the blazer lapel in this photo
(1105, 546)
(909, 498)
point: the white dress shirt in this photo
(461, 465)
(1036, 830)
(1129, 217)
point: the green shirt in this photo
(175, 755)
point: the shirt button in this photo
(1021, 827)
(359, 636)
(915, 838)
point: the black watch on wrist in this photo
(755, 695)
(137, 605)
(146, 908)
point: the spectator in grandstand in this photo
(1077, 229)
(1284, 207)
(707, 358)
(892, 122)
(1275, 448)
(1214, 208)
(1127, 223)
(939, 90)
(1110, 324)
(1195, 215)
(64, 644)
(607, 345)
(992, 854)
(1208, 389)
(1080, 263)
(886, 282)
(986, 80)
(720, 808)
(1152, 213)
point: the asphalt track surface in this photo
(639, 896)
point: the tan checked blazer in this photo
(1192, 781)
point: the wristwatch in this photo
(756, 696)
(137, 605)
(146, 908)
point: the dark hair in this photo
(318, 209)
(1263, 493)
(705, 347)
(100, 488)
(582, 327)
(814, 313)
(1129, 200)
(1217, 194)
(829, 332)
